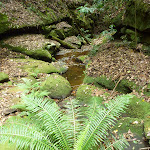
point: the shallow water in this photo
(75, 72)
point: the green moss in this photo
(138, 108)
(64, 44)
(84, 94)
(37, 53)
(57, 86)
(147, 127)
(124, 86)
(58, 33)
(4, 24)
(133, 124)
(82, 58)
(3, 77)
(38, 66)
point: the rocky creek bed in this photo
(63, 64)
(84, 85)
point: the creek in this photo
(75, 72)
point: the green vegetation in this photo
(3, 77)
(38, 66)
(124, 85)
(4, 24)
(47, 127)
(138, 108)
(85, 94)
(37, 54)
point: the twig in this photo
(145, 148)
(121, 77)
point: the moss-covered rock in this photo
(38, 66)
(67, 29)
(57, 86)
(135, 125)
(52, 48)
(83, 58)
(85, 94)
(124, 86)
(74, 41)
(58, 33)
(147, 127)
(35, 53)
(3, 77)
(138, 108)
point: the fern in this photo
(49, 128)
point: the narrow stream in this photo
(75, 72)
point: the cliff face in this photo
(18, 14)
(137, 15)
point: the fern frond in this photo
(25, 135)
(74, 116)
(49, 114)
(101, 121)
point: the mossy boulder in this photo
(57, 86)
(34, 53)
(85, 94)
(62, 30)
(137, 108)
(38, 66)
(3, 77)
(124, 86)
(52, 48)
(135, 125)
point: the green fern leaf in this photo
(101, 121)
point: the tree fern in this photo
(49, 128)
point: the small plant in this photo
(87, 35)
(85, 9)
(94, 50)
(108, 34)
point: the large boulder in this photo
(33, 45)
(3, 77)
(38, 66)
(57, 86)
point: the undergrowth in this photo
(47, 127)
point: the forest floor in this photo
(121, 62)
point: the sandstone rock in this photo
(57, 86)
